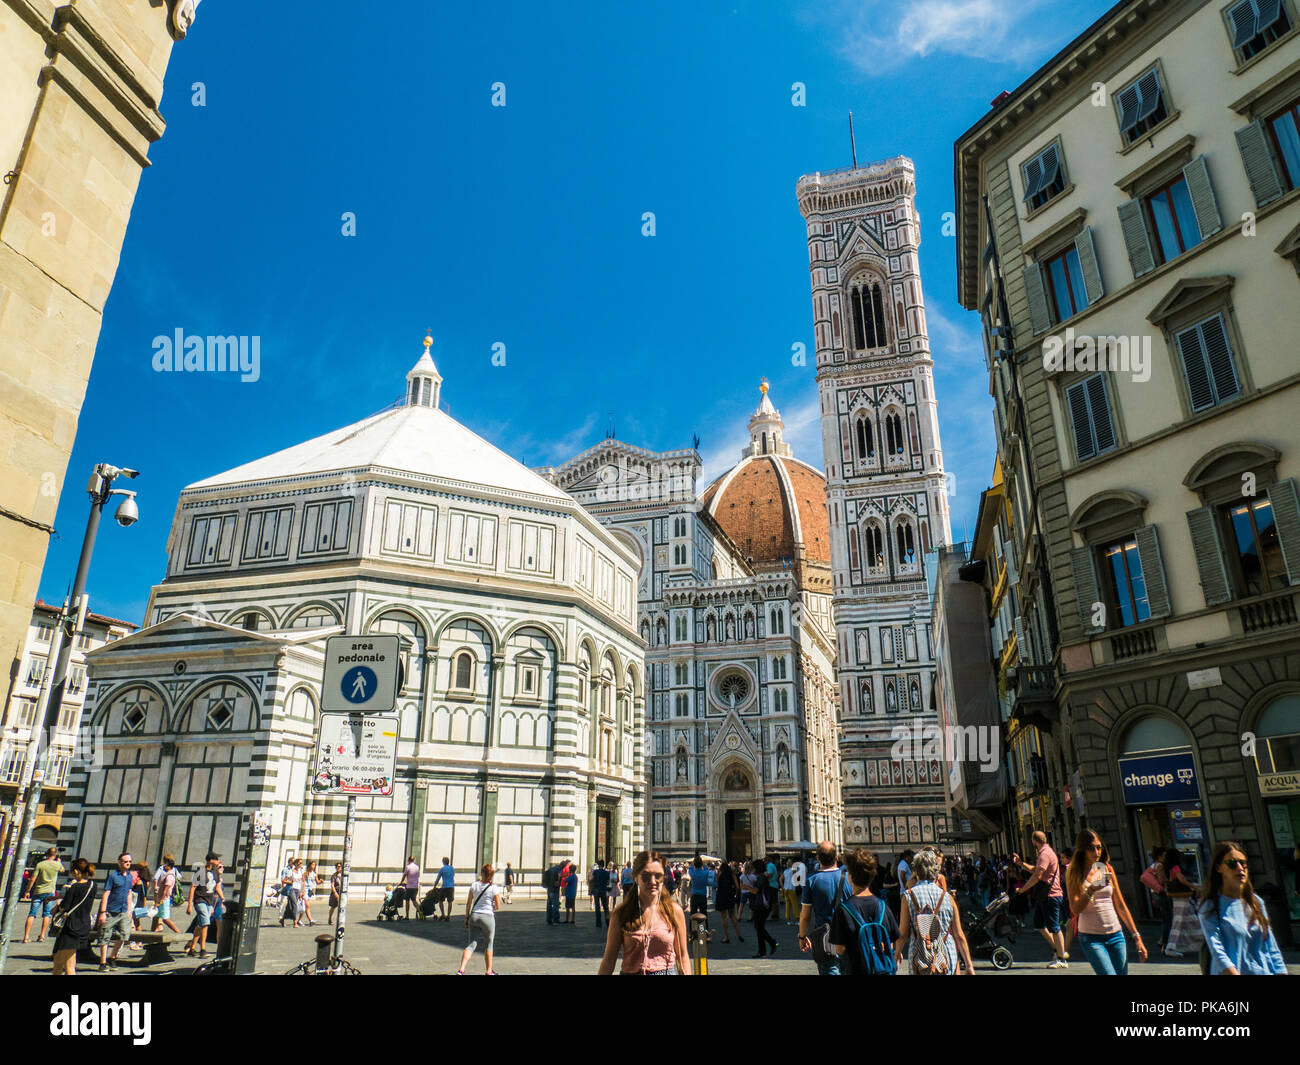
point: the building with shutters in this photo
(1129, 229)
(733, 601)
(886, 492)
(520, 713)
(28, 696)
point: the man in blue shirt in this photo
(115, 911)
(446, 883)
(821, 897)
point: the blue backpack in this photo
(874, 946)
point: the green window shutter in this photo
(1257, 158)
(1200, 393)
(1136, 238)
(1086, 587)
(1087, 252)
(1153, 571)
(1218, 356)
(1076, 398)
(1286, 513)
(1197, 176)
(1022, 648)
(1103, 428)
(1208, 547)
(1033, 175)
(1036, 293)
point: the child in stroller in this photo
(986, 929)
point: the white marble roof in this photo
(412, 439)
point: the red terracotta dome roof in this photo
(768, 504)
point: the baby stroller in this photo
(393, 899)
(987, 929)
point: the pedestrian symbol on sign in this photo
(359, 684)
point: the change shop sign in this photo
(1153, 779)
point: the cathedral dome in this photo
(771, 505)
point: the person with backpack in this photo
(551, 881)
(930, 924)
(821, 896)
(863, 930)
(165, 882)
(754, 885)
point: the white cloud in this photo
(881, 35)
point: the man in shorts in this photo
(164, 888)
(1047, 870)
(205, 889)
(115, 911)
(446, 885)
(40, 891)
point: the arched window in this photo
(875, 547)
(906, 543)
(463, 672)
(893, 435)
(853, 548)
(867, 306)
(866, 438)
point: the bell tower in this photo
(885, 490)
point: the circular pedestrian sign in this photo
(359, 684)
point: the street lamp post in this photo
(101, 490)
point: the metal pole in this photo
(343, 887)
(97, 500)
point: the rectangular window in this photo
(326, 527)
(1090, 421)
(1255, 24)
(1209, 369)
(1141, 105)
(1173, 220)
(1043, 177)
(471, 538)
(1065, 284)
(266, 535)
(1255, 547)
(211, 538)
(1128, 589)
(530, 547)
(1285, 130)
(36, 671)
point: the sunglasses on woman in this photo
(1235, 863)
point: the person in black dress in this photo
(77, 904)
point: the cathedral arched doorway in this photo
(734, 792)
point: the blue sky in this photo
(520, 225)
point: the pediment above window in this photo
(1226, 472)
(1107, 515)
(1289, 249)
(1190, 293)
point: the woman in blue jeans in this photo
(1098, 904)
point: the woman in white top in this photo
(310, 881)
(480, 918)
(1098, 903)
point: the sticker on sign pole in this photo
(356, 754)
(360, 674)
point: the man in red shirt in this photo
(1047, 870)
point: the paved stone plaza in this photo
(526, 945)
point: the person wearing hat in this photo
(205, 889)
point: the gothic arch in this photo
(104, 705)
(184, 719)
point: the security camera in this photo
(127, 512)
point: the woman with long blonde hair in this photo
(1098, 903)
(648, 926)
(1234, 921)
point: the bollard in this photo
(324, 945)
(701, 935)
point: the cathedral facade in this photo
(734, 605)
(522, 702)
(885, 493)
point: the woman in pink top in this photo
(1098, 903)
(648, 926)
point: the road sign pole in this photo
(343, 887)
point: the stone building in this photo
(733, 602)
(885, 489)
(80, 85)
(521, 709)
(27, 699)
(1148, 237)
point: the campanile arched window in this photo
(867, 307)
(865, 437)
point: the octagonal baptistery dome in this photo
(409, 496)
(772, 505)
